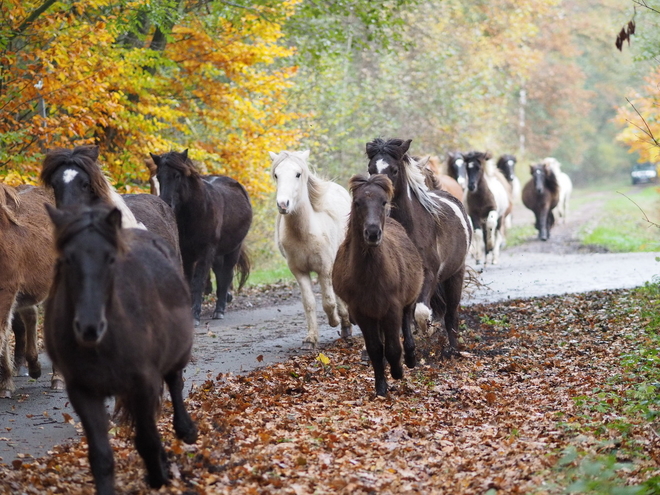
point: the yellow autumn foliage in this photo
(70, 78)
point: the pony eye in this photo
(298, 175)
(395, 171)
(275, 175)
(384, 203)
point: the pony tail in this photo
(243, 266)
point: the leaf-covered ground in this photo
(515, 414)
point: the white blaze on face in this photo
(381, 166)
(69, 175)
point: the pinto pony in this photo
(506, 164)
(379, 273)
(439, 228)
(27, 258)
(117, 323)
(565, 188)
(488, 204)
(308, 231)
(213, 215)
(541, 195)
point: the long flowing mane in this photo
(317, 186)
(414, 176)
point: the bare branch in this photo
(642, 3)
(646, 131)
(640, 209)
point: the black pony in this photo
(213, 214)
(437, 225)
(77, 179)
(541, 195)
(117, 323)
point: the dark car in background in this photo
(643, 173)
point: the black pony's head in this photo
(173, 171)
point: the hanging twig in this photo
(640, 209)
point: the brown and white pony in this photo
(541, 195)
(437, 225)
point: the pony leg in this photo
(309, 305)
(57, 380)
(453, 288)
(423, 313)
(223, 267)
(374, 345)
(491, 229)
(408, 339)
(20, 364)
(184, 427)
(478, 242)
(499, 239)
(6, 365)
(143, 407)
(393, 350)
(200, 274)
(29, 317)
(328, 299)
(346, 327)
(94, 418)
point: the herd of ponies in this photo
(120, 275)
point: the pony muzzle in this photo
(89, 333)
(283, 206)
(373, 235)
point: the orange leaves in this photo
(213, 89)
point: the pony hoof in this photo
(218, 315)
(308, 345)
(5, 394)
(21, 371)
(397, 372)
(411, 361)
(35, 371)
(346, 332)
(230, 297)
(57, 385)
(364, 357)
(197, 322)
(189, 437)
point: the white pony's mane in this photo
(417, 184)
(316, 186)
(553, 163)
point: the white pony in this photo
(309, 230)
(565, 188)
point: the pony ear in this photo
(114, 218)
(156, 159)
(406, 145)
(423, 161)
(488, 155)
(272, 154)
(305, 155)
(184, 155)
(58, 217)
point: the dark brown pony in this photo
(378, 273)
(541, 195)
(438, 226)
(26, 269)
(213, 214)
(117, 323)
(76, 178)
